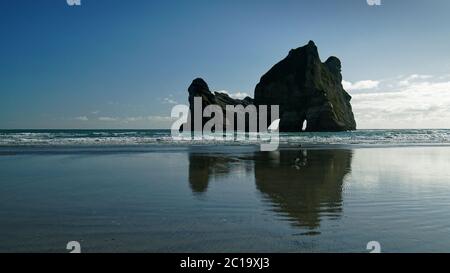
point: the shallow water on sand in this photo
(236, 200)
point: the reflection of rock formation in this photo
(204, 167)
(199, 172)
(303, 185)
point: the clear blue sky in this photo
(122, 64)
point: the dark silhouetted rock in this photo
(199, 88)
(307, 89)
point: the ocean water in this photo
(139, 137)
(140, 191)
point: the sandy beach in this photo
(195, 199)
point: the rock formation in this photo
(199, 88)
(305, 89)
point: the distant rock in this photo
(307, 90)
(199, 88)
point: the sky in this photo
(125, 64)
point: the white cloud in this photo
(406, 81)
(151, 121)
(107, 119)
(415, 101)
(136, 119)
(160, 118)
(236, 95)
(81, 118)
(239, 95)
(154, 121)
(169, 100)
(360, 85)
(133, 119)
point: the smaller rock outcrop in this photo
(199, 88)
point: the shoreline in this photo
(201, 148)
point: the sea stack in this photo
(304, 88)
(199, 88)
(307, 90)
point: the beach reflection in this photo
(203, 168)
(301, 186)
(304, 185)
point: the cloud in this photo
(360, 85)
(414, 101)
(148, 118)
(153, 121)
(160, 118)
(406, 81)
(81, 118)
(169, 100)
(237, 95)
(133, 119)
(150, 122)
(107, 119)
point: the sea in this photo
(11, 138)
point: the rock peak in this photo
(334, 65)
(199, 83)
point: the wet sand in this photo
(227, 199)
